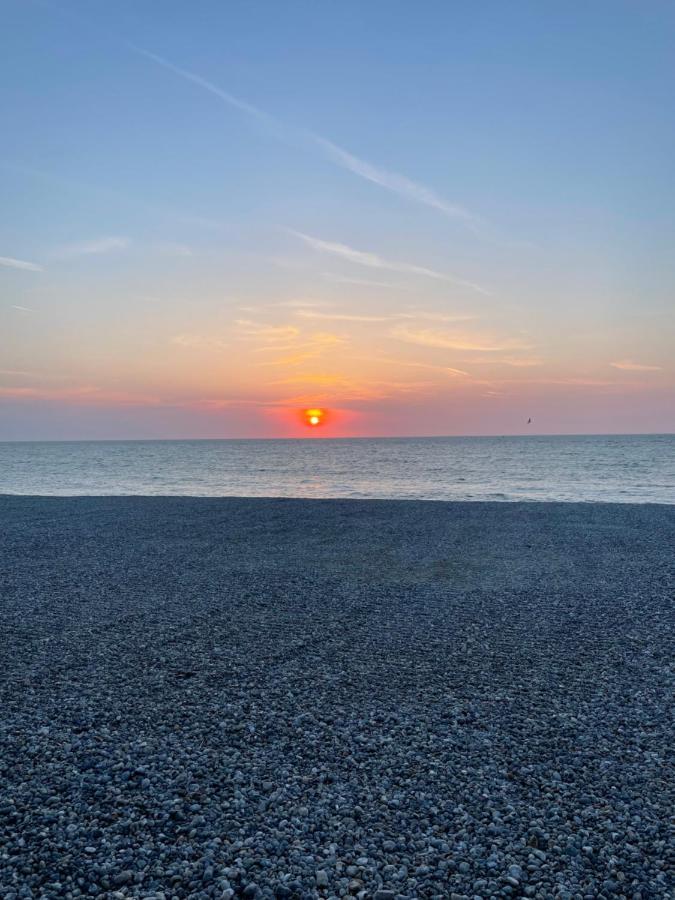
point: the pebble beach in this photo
(389, 700)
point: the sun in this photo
(314, 417)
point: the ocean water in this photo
(631, 468)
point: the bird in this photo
(529, 421)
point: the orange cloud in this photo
(448, 340)
(516, 362)
(340, 388)
(247, 328)
(85, 395)
(629, 366)
(198, 341)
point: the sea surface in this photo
(633, 468)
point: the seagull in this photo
(529, 421)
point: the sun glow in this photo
(314, 417)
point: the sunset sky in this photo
(425, 218)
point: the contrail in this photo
(391, 181)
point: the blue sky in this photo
(394, 193)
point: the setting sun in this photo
(314, 417)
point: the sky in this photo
(426, 219)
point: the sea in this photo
(615, 468)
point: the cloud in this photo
(10, 263)
(521, 363)
(366, 282)
(341, 388)
(574, 382)
(372, 261)
(392, 317)
(286, 262)
(34, 376)
(294, 359)
(446, 370)
(108, 194)
(16, 373)
(277, 339)
(452, 341)
(436, 317)
(390, 181)
(197, 341)
(628, 366)
(209, 86)
(81, 396)
(340, 317)
(298, 351)
(22, 308)
(171, 249)
(515, 361)
(303, 304)
(91, 248)
(251, 329)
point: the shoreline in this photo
(282, 498)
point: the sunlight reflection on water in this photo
(609, 468)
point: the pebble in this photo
(389, 701)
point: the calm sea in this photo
(610, 468)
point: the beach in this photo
(323, 698)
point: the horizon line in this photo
(380, 437)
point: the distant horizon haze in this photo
(326, 437)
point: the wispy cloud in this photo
(198, 341)
(342, 388)
(82, 396)
(303, 304)
(109, 194)
(365, 282)
(390, 317)
(390, 181)
(34, 376)
(91, 248)
(209, 86)
(373, 261)
(517, 362)
(287, 344)
(340, 317)
(171, 249)
(436, 317)
(10, 263)
(22, 308)
(259, 330)
(16, 373)
(573, 382)
(445, 370)
(629, 366)
(288, 263)
(448, 340)
(312, 347)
